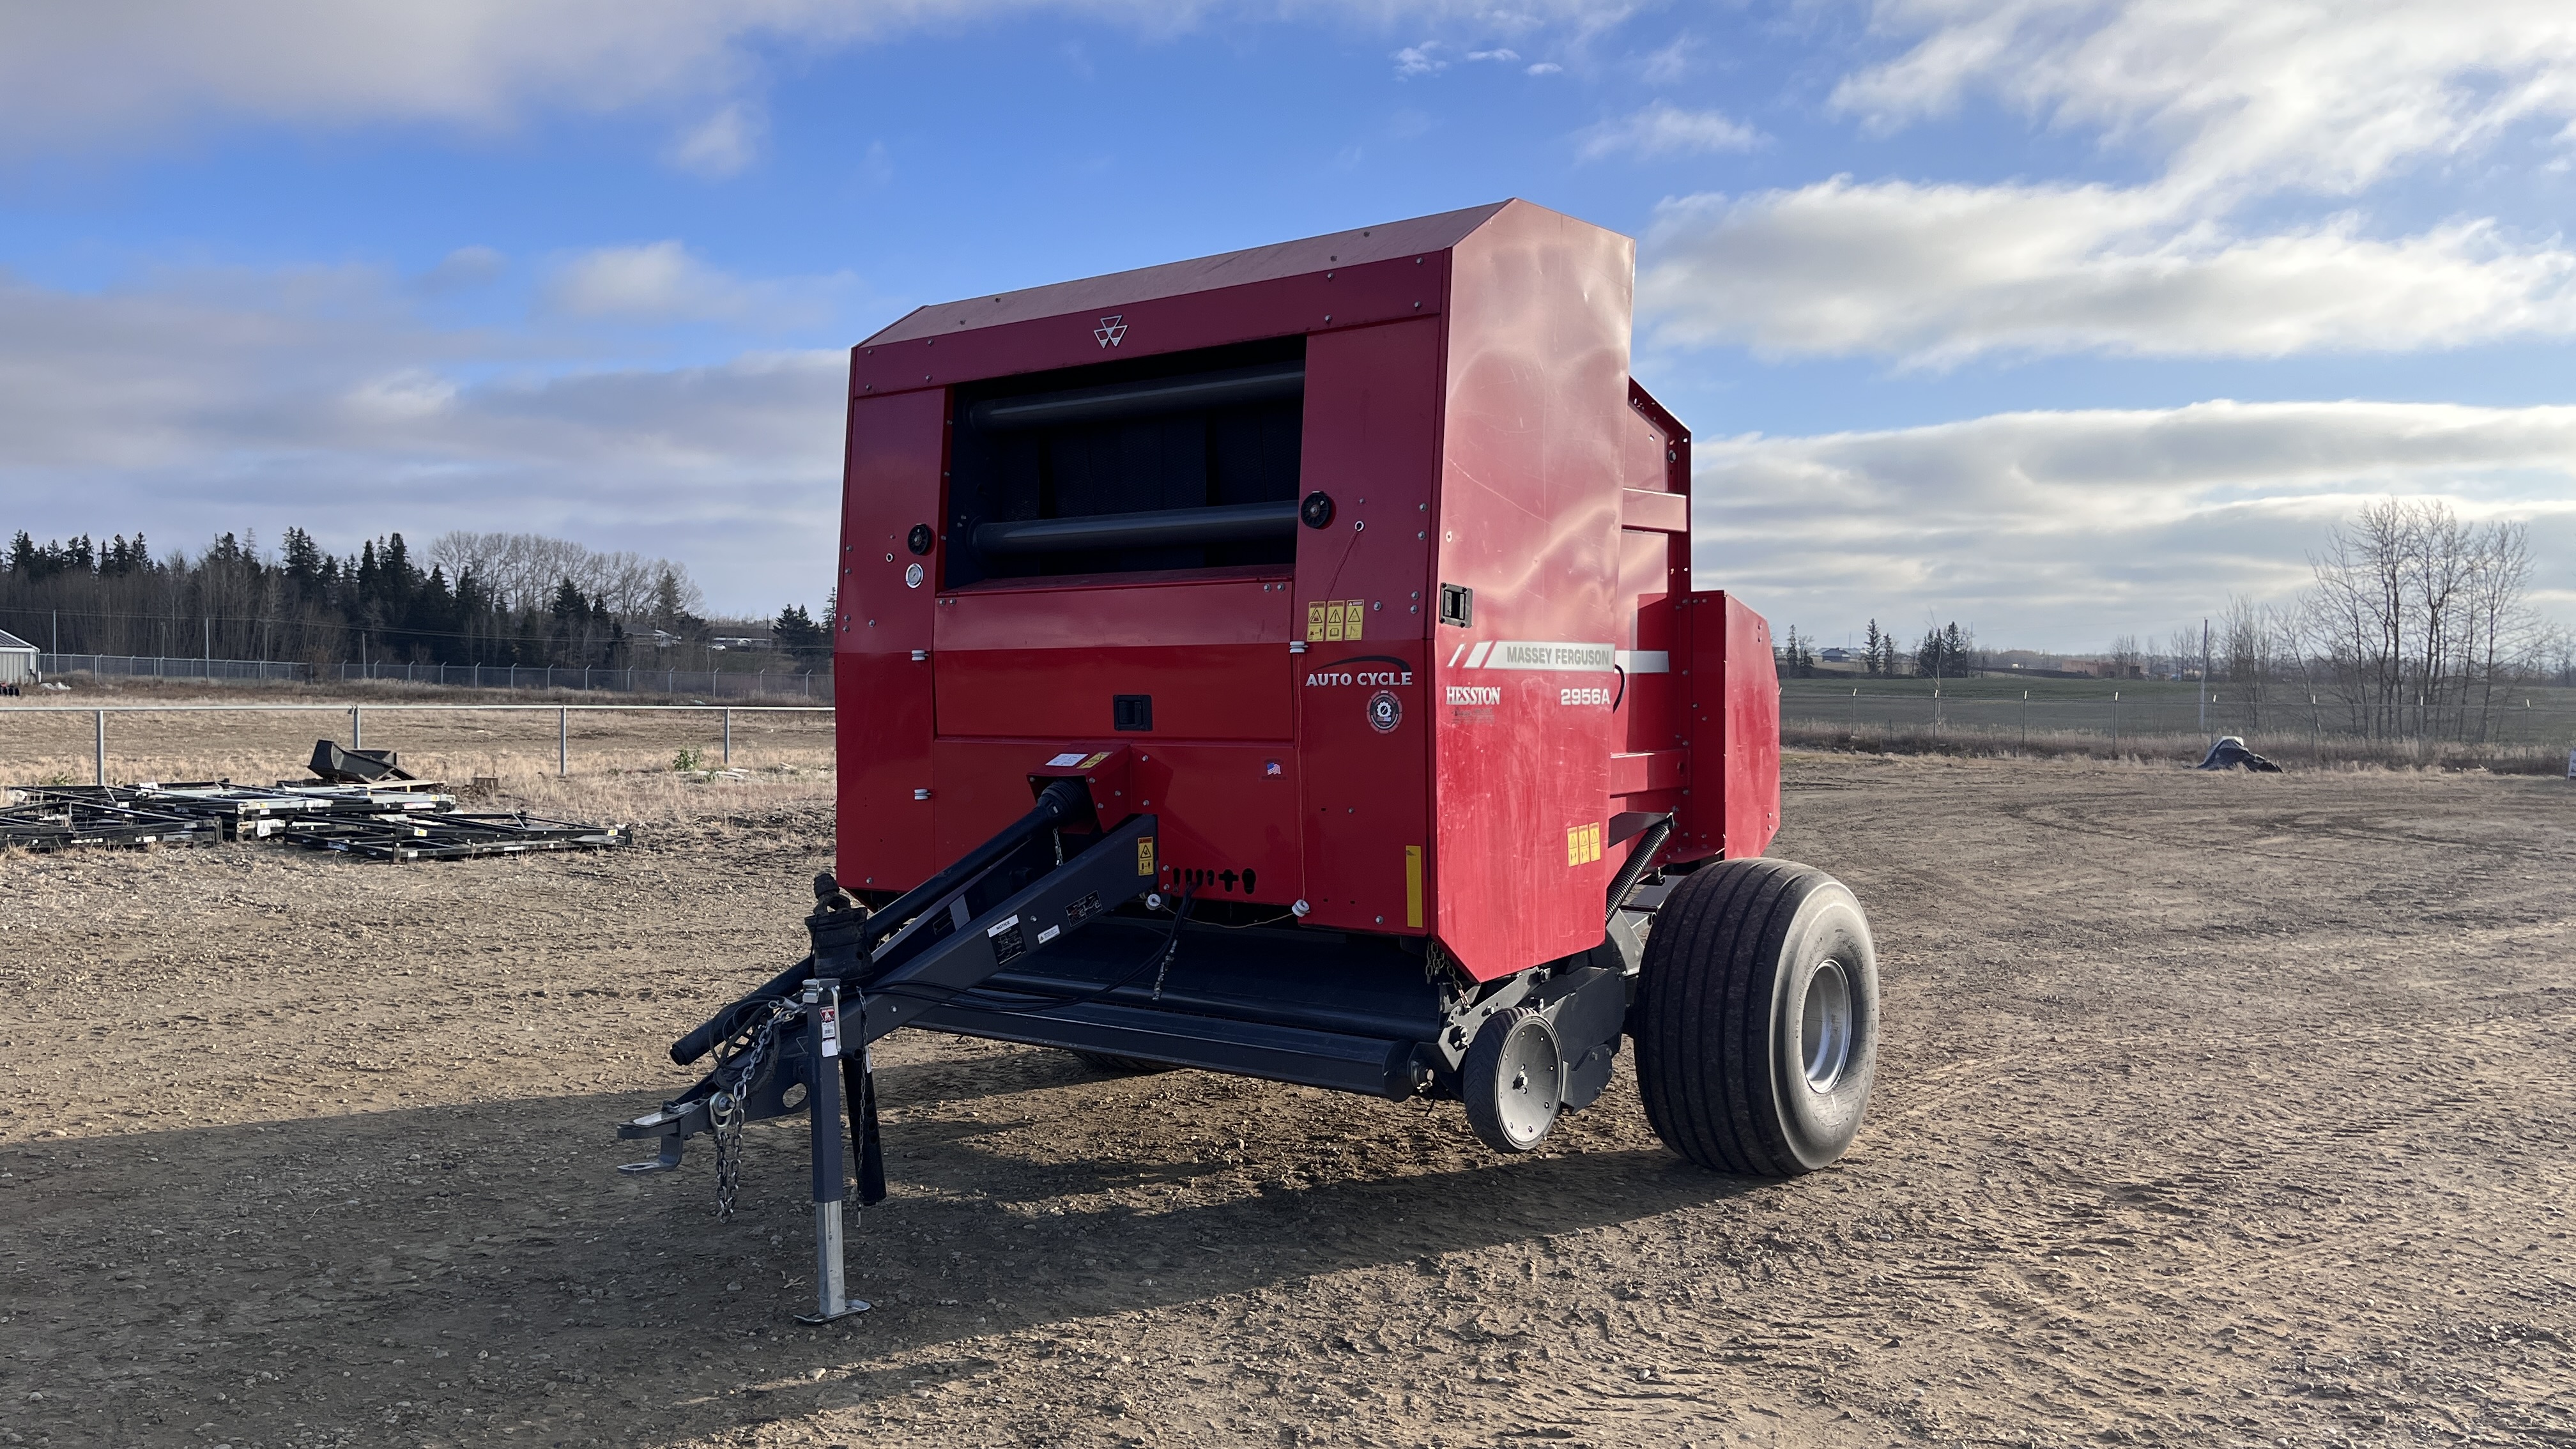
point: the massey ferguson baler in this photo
(1287, 663)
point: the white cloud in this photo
(464, 268)
(1664, 129)
(1935, 274)
(721, 145)
(140, 71)
(1546, 67)
(2237, 104)
(663, 281)
(1676, 59)
(2329, 95)
(1423, 59)
(197, 402)
(2059, 529)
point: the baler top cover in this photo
(1359, 561)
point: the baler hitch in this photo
(1017, 894)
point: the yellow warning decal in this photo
(1351, 621)
(1145, 855)
(1314, 623)
(1333, 621)
(1413, 886)
(1582, 844)
(1094, 761)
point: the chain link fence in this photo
(702, 683)
(2530, 730)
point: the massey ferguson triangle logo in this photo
(1112, 330)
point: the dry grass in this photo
(2292, 751)
(373, 693)
(622, 765)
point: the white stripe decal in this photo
(1454, 653)
(1546, 654)
(1646, 661)
(1477, 659)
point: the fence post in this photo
(102, 747)
(563, 741)
(728, 737)
(2115, 726)
(2025, 722)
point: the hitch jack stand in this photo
(823, 1115)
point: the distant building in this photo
(17, 661)
(1837, 655)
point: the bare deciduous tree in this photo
(525, 570)
(2415, 618)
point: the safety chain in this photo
(740, 1071)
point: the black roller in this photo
(1140, 399)
(1226, 523)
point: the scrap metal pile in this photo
(363, 805)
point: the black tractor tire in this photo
(1513, 1080)
(1756, 1018)
(1120, 1066)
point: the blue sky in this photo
(2064, 318)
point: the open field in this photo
(2528, 731)
(517, 745)
(2213, 1110)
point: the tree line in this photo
(477, 598)
(2415, 624)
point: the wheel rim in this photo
(1825, 1027)
(1527, 1083)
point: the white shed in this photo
(17, 660)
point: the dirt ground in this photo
(2211, 1110)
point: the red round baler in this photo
(1287, 663)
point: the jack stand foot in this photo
(832, 1300)
(669, 1161)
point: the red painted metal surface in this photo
(1317, 735)
(897, 448)
(1733, 727)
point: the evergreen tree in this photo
(799, 636)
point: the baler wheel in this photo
(1513, 1080)
(1121, 1066)
(1756, 1018)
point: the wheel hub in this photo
(1533, 1080)
(1825, 1027)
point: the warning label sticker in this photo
(1337, 622)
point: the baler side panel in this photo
(1372, 442)
(1734, 708)
(897, 448)
(1536, 408)
(1753, 733)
